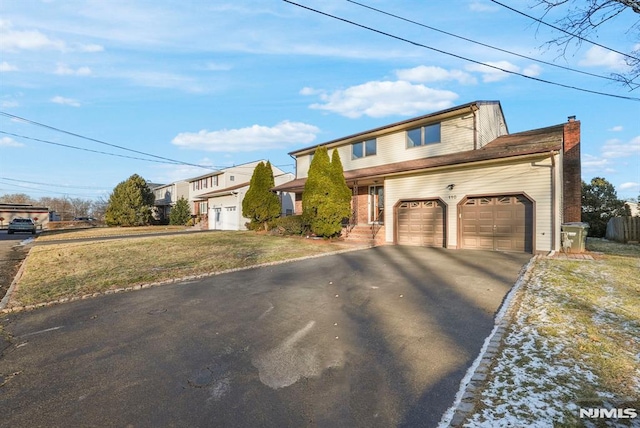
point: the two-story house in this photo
(457, 179)
(166, 196)
(217, 197)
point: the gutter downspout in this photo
(554, 200)
(475, 126)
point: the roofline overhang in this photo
(461, 165)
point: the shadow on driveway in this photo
(378, 337)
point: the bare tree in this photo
(582, 19)
(99, 208)
(17, 198)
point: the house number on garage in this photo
(453, 196)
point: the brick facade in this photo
(571, 172)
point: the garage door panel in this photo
(503, 223)
(420, 223)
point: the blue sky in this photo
(214, 84)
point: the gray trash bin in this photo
(574, 237)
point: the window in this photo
(232, 178)
(203, 208)
(215, 180)
(364, 148)
(424, 135)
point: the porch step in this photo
(363, 234)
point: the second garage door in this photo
(421, 223)
(503, 223)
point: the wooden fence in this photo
(624, 229)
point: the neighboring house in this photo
(166, 196)
(217, 197)
(40, 215)
(457, 179)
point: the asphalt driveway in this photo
(377, 337)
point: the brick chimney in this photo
(571, 172)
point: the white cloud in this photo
(65, 70)
(424, 74)
(384, 98)
(490, 74)
(5, 67)
(9, 142)
(90, 48)
(532, 70)
(618, 149)
(629, 185)
(617, 128)
(310, 91)
(250, 139)
(611, 153)
(600, 57)
(65, 101)
(173, 173)
(596, 164)
(12, 40)
(16, 40)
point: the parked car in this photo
(22, 225)
(84, 219)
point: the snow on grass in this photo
(573, 340)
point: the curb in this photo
(471, 384)
(5, 300)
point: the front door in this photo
(376, 204)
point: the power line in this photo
(51, 184)
(98, 141)
(461, 57)
(480, 43)
(35, 190)
(87, 150)
(565, 31)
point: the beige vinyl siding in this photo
(456, 136)
(491, 123)
(302, 165)
(523, 177)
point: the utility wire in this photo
(212, 167)
(173, 161)
(33, 190)
(480, 43)
(565, 31)
(90, 150)
(459, 56)
(51, 184)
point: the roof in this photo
(222, 192)
(402, 124)
(222, 171)
(532, 142)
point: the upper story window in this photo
(424, 135)
(215, 180)
(232, 178)
(364, 148)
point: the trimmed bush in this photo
(291, 225)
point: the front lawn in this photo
(58, 271)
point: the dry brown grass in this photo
(100, 232)
(75, 269)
